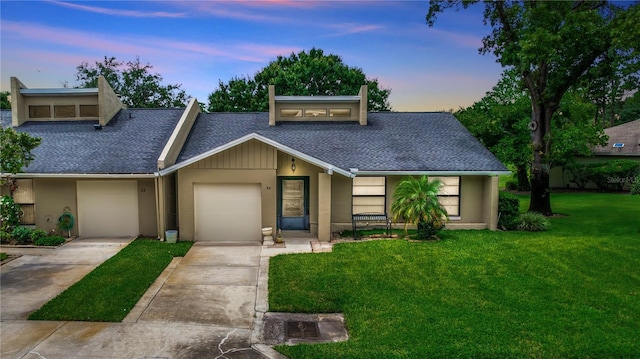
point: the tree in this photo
(133, 81)
(416, 201)
(500, 120)
(5, 104)
(302, 74)
(551, 45)
(15, 150)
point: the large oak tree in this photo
(551, 44)
(303, 74)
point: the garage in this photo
(227, 212)
(107, 208)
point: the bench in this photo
(370, 218)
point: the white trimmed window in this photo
(449, 194)
(369, 195)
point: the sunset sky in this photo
(196, 44)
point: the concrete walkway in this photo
(208, 304)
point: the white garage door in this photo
(227, 212)
(108, 208)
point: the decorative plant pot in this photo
(267, 231)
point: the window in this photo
(23, 196)
(315, 112)
(449, 194)
(39, 111)
(64, 111)
(340, 112)
(89, 111)
(369, 195)
(291, 112)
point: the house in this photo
(307, 164)
(623, 144)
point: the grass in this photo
(108, 293)
(3, 256)
(570, 292)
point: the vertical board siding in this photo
(248, 155)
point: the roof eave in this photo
(79, 175)
(357, 172)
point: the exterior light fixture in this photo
(293, 165)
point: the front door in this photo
(293, 203)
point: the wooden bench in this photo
(375, 218)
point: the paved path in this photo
(208, 304)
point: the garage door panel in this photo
(227, 212)
(107, 208)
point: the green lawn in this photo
(573, 291)
(110, 291)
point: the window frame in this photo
(459, 195)
(384, 195)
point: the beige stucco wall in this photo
(147, 207)
(473, 210)
(51, 197)
(303, 169)
(188, 176)
(108, 100)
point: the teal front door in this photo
(293, 203)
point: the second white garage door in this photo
(227, 212)
(108, 208)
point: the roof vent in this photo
(618, 145)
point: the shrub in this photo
(511, 185)
(508, 210)
(635, 186)
(611, 175)
(37, 234)
(50, 241)
(22, 234)
(533, 222)
(10, 214)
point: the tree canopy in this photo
(15, 152)
(5, 104)
(303, 74)
(133, 81)
(551, 45)
(500, 120)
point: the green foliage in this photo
(415, 201)
(3, 256)
(51, 241)
(508, 210)
(610, 175)
(5, 104)
(635, 186)
(15, 150)
(533, 222)
(10, 214)
(37, 234)
(551, 45)
(108, 293)
(133, 81)
(301, 74)
(569, 292)
(22, 234)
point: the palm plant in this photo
(416, 201)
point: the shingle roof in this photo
(130, 144)
(392, 141)
(627, 133)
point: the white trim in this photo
(81, 175)
(253, 136)
(357, 172)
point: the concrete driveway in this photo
(202, 306)
(209, 304)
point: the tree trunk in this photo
(523, 178)
(540, 135)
